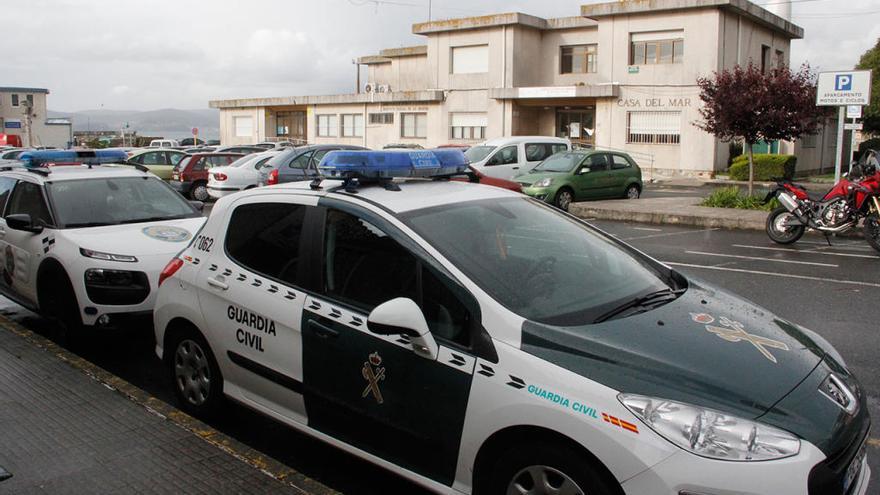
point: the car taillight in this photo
(170, 269)
(220, 177)
(273, 177)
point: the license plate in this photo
(854, 469)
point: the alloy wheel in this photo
(563, 201)
(632, 192)
(542, 480)
(192, 372)
(200, 193)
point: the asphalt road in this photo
(832, 290)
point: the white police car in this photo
(85, 244)
(474, 340)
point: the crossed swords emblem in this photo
(735, 332)
(373, 377)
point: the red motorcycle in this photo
(855, 197)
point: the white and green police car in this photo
(85, 244)
(475, 340)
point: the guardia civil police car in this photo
(475, 340)
(85, 243)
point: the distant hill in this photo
(167, 122)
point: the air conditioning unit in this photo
(369, 88)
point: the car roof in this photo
(414, 194)
(522, 139)
(72, 172)
(148, 150)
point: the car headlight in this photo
(709, 433)
(88, 253)
(543, 182)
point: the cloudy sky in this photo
(121, 54)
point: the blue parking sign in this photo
(843, 82)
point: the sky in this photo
(127, 55)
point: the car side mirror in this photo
(198, 205)
(584, 170)
(23, 222)
(402, 316)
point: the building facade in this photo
(620, 76)
(23, 113)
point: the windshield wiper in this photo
(642, 303)
(152, 219)
(88, 224)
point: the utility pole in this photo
(357, 68)
(28, 121)
(429, 10)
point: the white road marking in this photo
(648, 229)
(757, 258)
(848, 255)
(773, 274)
(668, 234)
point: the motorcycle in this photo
(854, 198)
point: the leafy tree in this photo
(748, 105)
(871, 61)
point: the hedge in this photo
(767, 166)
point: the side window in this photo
(619, 162)
(365, 267)
(317, 157)
(301, 161)
(536, 152)
(265, 238)
(137, 159)
(6, 185)
(597, 162)
(153, 158)
(504, 156)
(258, 165)
(556, 148)
(27, 198)
(199, 165)
(174, 158)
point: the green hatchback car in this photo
(583, 174)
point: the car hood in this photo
(530, 178)
(708, 348)
(137, 239)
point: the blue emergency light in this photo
(389, 164)
(36, 159)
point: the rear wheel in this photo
(199, 191)
(563, 199)
(195, 375)
(779, 229)
(632, 192)
(545, 468)
(872, 230)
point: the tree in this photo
(748, 105)
(871, 61)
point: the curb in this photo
(253, 458)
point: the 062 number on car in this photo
(204, 243)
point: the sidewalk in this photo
(69, 427)
(672, 211)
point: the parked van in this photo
(164, 143)
(509, 156)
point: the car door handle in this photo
(217, 284)
(2, 232)
(323, 331)
(515, 168)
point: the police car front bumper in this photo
(684, 473)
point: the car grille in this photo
(133, 292)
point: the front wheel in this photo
(545, 469)
(563, 199)
(632, 192)
(779, 230)
(199, 192)
(872, 230)
(196, 377)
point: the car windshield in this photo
(536, 261)
(478, 153)
(115, 200)
(560, 162)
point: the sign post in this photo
(195, 132)
(840, 89)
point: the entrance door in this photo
(373, 391)
(577, 124)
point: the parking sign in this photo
(844, 88)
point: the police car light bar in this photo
(45, 158)
(386, 165)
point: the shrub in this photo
(732, 197)
(767, 166)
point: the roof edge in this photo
(480, 22)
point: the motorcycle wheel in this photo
(778, 232)
(872, 230)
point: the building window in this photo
(14, 100)
(653, 127)
(469, 59)
(244, 126)
(382, 118)
(353, 125)
(327, 125)
(780, 59)
(578, 59)
(467, 125)
(30, 99)
(657, 48)
(414, 125)
(765, 58)
(808, 141)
